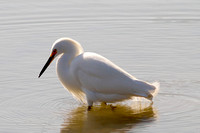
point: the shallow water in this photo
(153, 40)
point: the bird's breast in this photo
(66, 77)
(66, 73)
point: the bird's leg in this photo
(89, 108)
(113, 107)
(89, 104)
(103, 104)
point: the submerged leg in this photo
(89, 108)
(90, 103)
(113, 107)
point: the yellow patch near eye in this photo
(54, 52)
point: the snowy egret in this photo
(90, 77)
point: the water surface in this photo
(154, 40)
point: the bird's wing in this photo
(98, 74)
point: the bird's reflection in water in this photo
(105, 119)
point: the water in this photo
(153, 40)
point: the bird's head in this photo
(61, 46)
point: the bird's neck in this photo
(64, 61)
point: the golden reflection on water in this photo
(104, 119)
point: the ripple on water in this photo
(32, 107)
(177, 110)
(105, 119)
(49, 108)
(172, 111)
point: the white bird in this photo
(90, 77)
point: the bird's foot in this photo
(89, 108)
(113, 107)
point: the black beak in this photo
(46, 65)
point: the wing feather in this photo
(98, 74)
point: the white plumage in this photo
(93, 78)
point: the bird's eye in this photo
(55, 51)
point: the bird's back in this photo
(97, 74)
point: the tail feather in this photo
(157, 88)
(146, 90)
